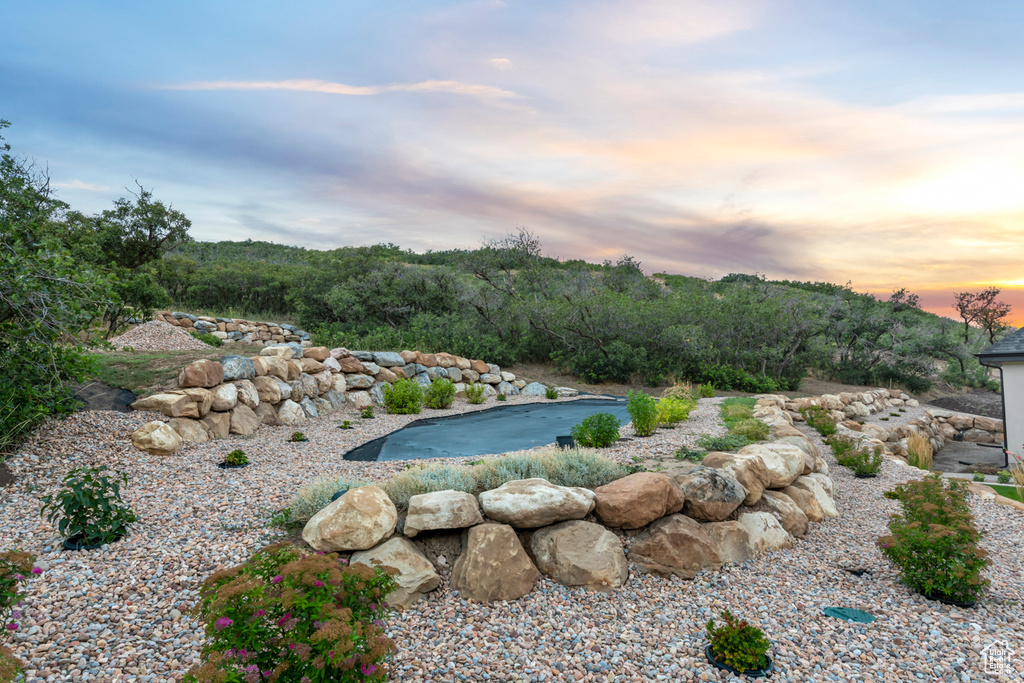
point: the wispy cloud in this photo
(485, 92)
(79, 185)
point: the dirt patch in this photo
(99, 396)
(6, 476)
(145, 372)
(985, 403)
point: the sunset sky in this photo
(879, 142)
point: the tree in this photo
(982, 309)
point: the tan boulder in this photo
(156, 438)
(310, 366)
(480, 367)
(783, 461)
(294, 370)
(203, 398)
(191, 431)
(732, 540)
(578, 553)
(416, 575)
(276, 366)
(427, 360)
(711, 494)
(201, 373)
(317, 353)
(820, 487)
(218, 425)
(988, 424)
(531, 503)
(171, 405)
(675, 545)
(766, 533)
(748, 469)
(463, 363)
(339, 384)
(272, 389)
(259, 365)
(247, 393)
(243, 420)
(359, 399)
(960, 422)
(350, 364)
(387, 375)
(291, 413)
(324, 382)
(358, 520)
(408, 356)
(806, 501)
(638, 499)
(493, 565)
(225, 397)
(785, 510)
(875, 431)
(801, 442)
(445, 360)
(267, 415)
(282, 352)
(442, 510)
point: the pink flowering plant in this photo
(291, 616)
(15, 568)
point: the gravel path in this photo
(116, 614)
(157, 335)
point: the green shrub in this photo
(1003, 476)
(688, 454)
(297, 617)
(366, 413)
(862, 459)
(238, 456)
(403, 397)
(738, 644)
(298, 437)
(979, 476)
(440, 394)
(752, 430)
(315, 495)
(475, 393)
(345, 424)
(643, 411)
(501, 397)
(683, 391)
(729, 442)
(15, 567)
(734, 412)
(933, 542)
(89, 508)
(706, 390)
(551, 393)
(841, 446)
(599, 430)
(672, 411)
(819, 419)
(207, 338)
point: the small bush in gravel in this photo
(819, 420)
(979, 476)
(841, 446)
(501, 397)
(292, 617)
(237, 457)
(599, 430)
(919, 451)
(89, 509)
(737, 643)
(672, 411)
(440, 394)
(298, 437)
(934, 542)
(683, 391)
(551, 393)
(863, 460)
(403, 397)
(475, 393)
(1003, 476)
(729, 442)
(346, 424)
(315, 495)
(366, 413)
(688, 454)
(15, 567)
(427, 479)
(207, 338)
(752, 430)
(706, 390)
(643, 412)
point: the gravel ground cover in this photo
(119, 613)
(157, 335)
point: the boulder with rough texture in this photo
(243, 420)
(259, 364)
(272, 389)
(237, 367)
(578, 553)
(875, 431)
(350, 364)
(416, 575)
(534, 389)
(388, 359)
(191, 431)
(711, 494)
(283, 352)
(530, 503)
(309, 408)
(732, 539)
(359, 399)
(317, 353)
(277, 367)
(493, 565)
(806, 501)
(815, 485)
(156, 438)
(225, 397)
(766, 533)
(358, 381)
(267, 415)
(171, 405)
(801, 442)
(203, 398)
(785, 510)
(638, 499)
(442, 510)
(247, 393)
(291, 413)
(339, 384)
(784, 462)
(748, 469)
(358, 520)
(675, 545)
(311, 366)
(201, 373)
(488, 378)
(218, 425)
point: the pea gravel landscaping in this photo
(119, 613)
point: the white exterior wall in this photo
(1013, 394)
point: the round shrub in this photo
(672, 411)
(440, 394)
(403, 397)
(599, 430)
(643, 412)
(475, 393)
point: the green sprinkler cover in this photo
(849, 614)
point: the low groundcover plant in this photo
(290, 617)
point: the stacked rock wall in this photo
(289, 383)
(236, 330)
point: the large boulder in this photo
(815, 486)
(225, 397)
(267, 415)
(578, 553)
(785, 510)
(638, 499)
(493, 565)
(243, 420)
(237, 367)
(272, 389)
(336, 399)
(748, 469)
(358, 381)
(156, 438)
(201, 373)
(291, 413)
(784, 462)
(283, 352)
(442, 510)
(171, 405)
(675, 545)
(310, 366)
(534, 389)
(806, 501)
(801, 442)
(277, 366)
(388, 359)
(875, 431)
(732, 539)
(309, 408)
(766, 533)
(317, 353)
(247, 393)
(358, 520)
(416, 575)
(203, 398)
(350, 364)
(218, 425)
(191, 431)
(711, 494)
(531, 503)
(358, 399)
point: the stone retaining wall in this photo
(236, 330)
(288, 383)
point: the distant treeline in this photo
(507, 302)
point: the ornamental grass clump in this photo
(919, 451)
(403, 397)
(933, 542)
(820, 420)
(285, 616)
(315, 495)
(89, 509)
(599, 430)
(15, 568)
(737, 643)
(643, 412)
(440, 394)
(475, 393)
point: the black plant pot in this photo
(225, 466)
(338, 494)
(950, 601)
(565, 442)
(752, 673)
(865, 476)
(74, 543)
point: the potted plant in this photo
(738, 647)
(88, 512)
(298, 437)
(347, 424)
(366, 413)
(236, 458)
(551, 393)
